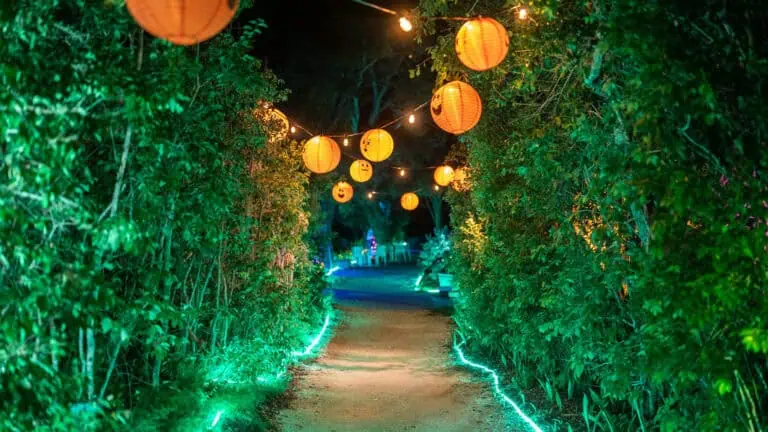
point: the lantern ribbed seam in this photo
(483, 44)
(213, 17)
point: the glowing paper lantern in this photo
(361, 171)
(461, 179)
(443, 175)
(377, 145)
(321, 154)
(343, 192)
(183, 22)
(409, 201)
(456, 107)
(275, 121)
(482, 43)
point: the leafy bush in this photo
(613, 245)
(433, 258)
(149, 233)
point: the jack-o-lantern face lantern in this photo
(377, 145)
(456, 107)
(275, 123)
(361, 171)
(342, 192)
(183, 22)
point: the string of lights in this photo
(411, 116)
(481, 43)
(411, 119)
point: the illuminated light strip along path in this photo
(296, 354)
(390, 367)
(496, 385)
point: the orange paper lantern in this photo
(361, 171)
(409, 201)
(461, 179)
(321, 154)
(456, 107)
(482, 43)
(377, 145)
(183, 22)
(443, 175)
(275, 122)
(343, 192)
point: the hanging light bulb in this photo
(437, 188)
(412, 119)
(522, 13)
(346, 142)
(293, 129)
(405, 24)
(402, 173)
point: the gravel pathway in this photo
(389, 368)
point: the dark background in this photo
(317, 48)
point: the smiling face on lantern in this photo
(361, 171)
(436, 104)
(342, 192)
(376, 145)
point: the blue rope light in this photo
(316, 340)
(496, 385)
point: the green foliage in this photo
(433, 258)
(613, 244)
(151, 238)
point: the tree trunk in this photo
(435, 207)
(330, 210)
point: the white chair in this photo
(357, 255)
(383, 253)
(401, 252)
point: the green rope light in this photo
(308, 350)
(270, 378)
(496, 384)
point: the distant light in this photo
(402, 173)
(437, 188)
(522, 13)
(293, 129)
(412, 119)
(370, 195)
(405, 24)
(346, 142)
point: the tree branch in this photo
(120, 174)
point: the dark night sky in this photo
(305, 36)
(304, 41)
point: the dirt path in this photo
(389, 369)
